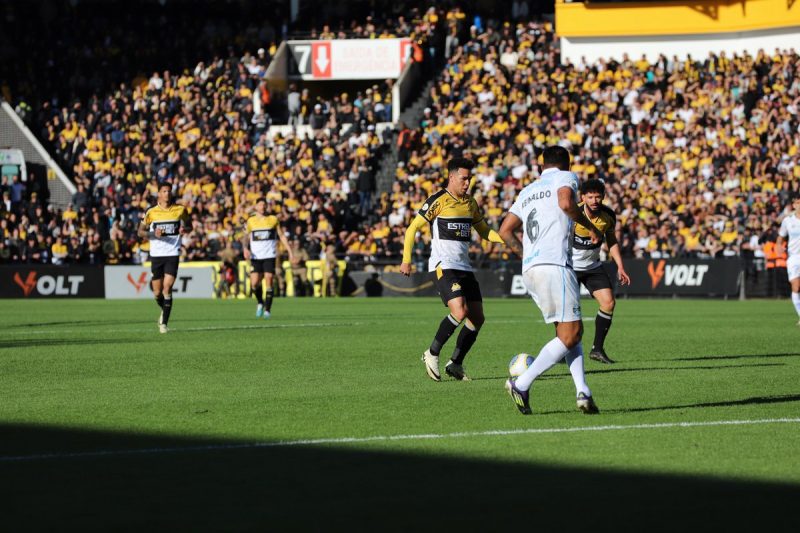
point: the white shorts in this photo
(555, 290)
(793, 267)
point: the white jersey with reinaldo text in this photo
(790, 229)
(547, 235)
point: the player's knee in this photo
(608, 304)
(459, 313)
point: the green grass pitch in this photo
(107, 425)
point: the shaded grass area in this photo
(325, 488)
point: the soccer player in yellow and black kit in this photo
(587, 265)
(164, 224)
(451, 214)
(260, 242)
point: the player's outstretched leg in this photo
(446, 329)
(519, 388)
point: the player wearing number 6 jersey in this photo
(164, 224)
(546, 209)
(451, 214)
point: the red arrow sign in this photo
(321, 59)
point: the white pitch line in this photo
(386, 438)
(95, 329)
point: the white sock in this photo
(551, 353)
(796, 302)
(575, 363)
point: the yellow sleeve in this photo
(416, 225)
(487, 233)
(146, 220)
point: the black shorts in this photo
(263, 265)
(164, 265)
(594, 279)
(457, 284)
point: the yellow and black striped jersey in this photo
(451, 221)
(585, 255)
(263, 234)
(168, 220)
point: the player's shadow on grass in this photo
(33, 343)
(756, 400)
(617, 369)
(330, 489)
(740, 356)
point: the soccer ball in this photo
(519, 364)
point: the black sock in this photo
(602, 323)
(466, 338)
(446, 329)
(160, 300)
(258, 293)
(268, 301)
(167, 309)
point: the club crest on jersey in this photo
(455, 287)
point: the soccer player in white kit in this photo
(546, 209)
(790, 228)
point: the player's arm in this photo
(246, 240)
(783, 232)
(487, 233)
(185, 222)
(567, 203)
(408, 244)
(284, 241)
(144, 229)
(508, 231)
(614, 252)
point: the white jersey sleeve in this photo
(547, 230)
(790, 229)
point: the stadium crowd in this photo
(698, 155)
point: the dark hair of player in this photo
(459, 162)
(556, 156)
(593, 185)
(261, 199)
(163, 184)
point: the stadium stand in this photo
(698, 156)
